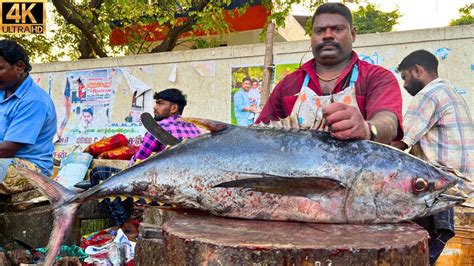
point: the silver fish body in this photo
(273, 174)
(286, 175)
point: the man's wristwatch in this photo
(373, 130)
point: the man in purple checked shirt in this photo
(169, 105)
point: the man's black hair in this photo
(12, 52)
(422, 58)
(174, 96)
(254, 80)
(88, 110)
(246, 78)
(333, 8)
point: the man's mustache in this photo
(332, 43)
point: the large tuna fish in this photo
(273, 174)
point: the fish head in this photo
(432, 189)
(415, 190)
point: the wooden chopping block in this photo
(210, 240)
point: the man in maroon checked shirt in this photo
(168, 108)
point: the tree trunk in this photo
(85, 50)
(268, 64)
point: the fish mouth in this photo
(463, 188)
(455, 195)
(459, 193)
(451, 198)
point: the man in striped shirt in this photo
(438, 127)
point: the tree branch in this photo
(173, 34)
(64, 8)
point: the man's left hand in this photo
(345, 121)
(399, 145)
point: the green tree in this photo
(38, 47)
(466, 18)
(369, 19)
(85, 26)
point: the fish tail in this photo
(65, 204)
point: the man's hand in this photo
(253, 109)
(399, 145)
(345, 121)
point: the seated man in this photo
(27, 120)
(169, 106)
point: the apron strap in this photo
(306, 81)
(354, 76)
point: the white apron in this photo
(308, 106)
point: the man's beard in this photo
(159, 118)
(416, 87)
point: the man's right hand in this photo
(345, 121)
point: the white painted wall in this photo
(209, 95)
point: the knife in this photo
(157, 131)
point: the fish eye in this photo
(420, 185)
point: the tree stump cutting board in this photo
(210, 240)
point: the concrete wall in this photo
(205, 75)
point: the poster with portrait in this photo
(246, 85)
(90, 110)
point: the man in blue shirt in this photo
(243, 108)
(27, 120)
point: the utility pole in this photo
(268, 63)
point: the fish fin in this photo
(64, 204)
(288, 186)
(454, 172)
(261, 124)
(287, 123)
(148, 200)
(212, 125)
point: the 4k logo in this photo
(22, 17)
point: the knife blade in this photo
(157, 131)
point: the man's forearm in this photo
(387, 126)
(9, 149)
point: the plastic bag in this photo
(107, 144)
(122, 153)
(73, 169)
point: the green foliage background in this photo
(466, 18)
